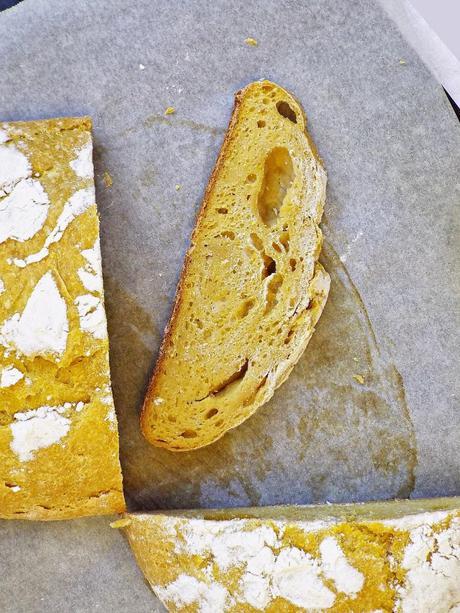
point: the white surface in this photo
(337, 568)
(82, 165)
(77, 204)
(24, 211)
(10, 376)
(14, 166)
(91, 274)
(92, 315)
(37, 429)
(43, 327)
(432, 563)
(433, 50)
(444, 17)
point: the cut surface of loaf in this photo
(400, 557)
(252, 289)
(58, 429)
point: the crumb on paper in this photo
(107, 178)
(355, 359)
(359, 379)
(141, 67)
(170, 110)
(178, 187)
(120, 523)
(252, 42)
(402, 62)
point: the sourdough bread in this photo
(401, 557)
(58, 429)
(252, 289)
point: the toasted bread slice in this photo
(386, 556)
(251, 289)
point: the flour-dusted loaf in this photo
(251, 289)
(58, 430)
(401, 557)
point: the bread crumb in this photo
(252, 42)
(178, 187)
(170, 110)
(359, 379)
(402, 62)
(141, 67)
(107, 178)
(121, 523)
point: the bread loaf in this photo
(58, 429)
(251, 289)
(400, 557)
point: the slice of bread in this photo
(384, 556)
(252, 289)
(58, 429)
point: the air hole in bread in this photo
(267, 88)
(229, 383)
(285, 110)
(288, 338)
(227, 234)
(265, 100)
(278, 176)
(219, 423)
(244, 308)
(222, 211)
(269, 266)
(172, 419)
(211, 413)
(11, 485)
(276, 247)
(189, 434)
(293, 264)
(235, 378)
(284, 240)
(257, 242)
(272, 292)
(251, 178)
(261, 123)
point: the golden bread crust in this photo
(58, 431)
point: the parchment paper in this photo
(391, 145)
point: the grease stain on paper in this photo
(322, 437)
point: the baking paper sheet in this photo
(391, 145)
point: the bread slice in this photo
(252, 289)
(401, 556)
(58, 429)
